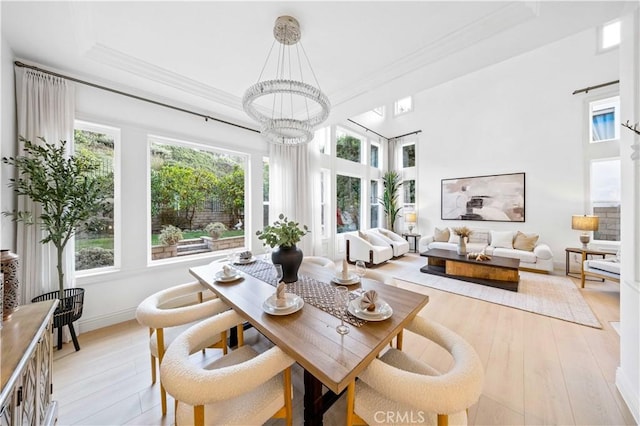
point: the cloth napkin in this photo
(228, 271)
(345, 269)
(281, 298)
(368, 300)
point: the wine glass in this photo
(361, 268)
(267, 253)
(278, 269)
(341, 298)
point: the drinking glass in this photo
(278, 269)
(267, 253)
(341, 299)
(361, 268)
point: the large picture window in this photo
(199, 194)
(95, 247)
(606, 198)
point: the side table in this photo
(584, 253)
(416, 238)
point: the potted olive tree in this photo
(69, 193)
(284, 234)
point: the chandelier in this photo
(287, 108)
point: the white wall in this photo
(515, 116)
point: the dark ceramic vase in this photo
(290, 258)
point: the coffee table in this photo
(500, 272)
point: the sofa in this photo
(534, 255)
(369, 246)
(607, 269)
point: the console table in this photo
(27, 362)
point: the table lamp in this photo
(410, 219)
(584, 223)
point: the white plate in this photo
(381, 313)
(294, 304)
(353, 279)
(220, 276)
(245, 261)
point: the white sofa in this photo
(496, 243)
(608, 269)
(367, 246)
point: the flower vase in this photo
(290, 258)
(462, 246)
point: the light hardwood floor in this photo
(538, 370)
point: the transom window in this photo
(348, 146)
(402, 106)
(610, 35)
(603, 119)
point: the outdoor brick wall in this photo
(164, 252)
(609, 223)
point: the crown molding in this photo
(117, 59)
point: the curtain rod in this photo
(367, 129)
(406, 134)
(140, 98)
(586, 89)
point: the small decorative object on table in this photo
(480, 257)
(463, 232)
(11, 295)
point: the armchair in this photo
(399, 245)
(368, 247)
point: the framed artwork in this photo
(498, 198)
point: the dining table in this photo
(309, 334)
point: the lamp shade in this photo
(410, 217)
(584, 222)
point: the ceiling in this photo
(364, 54)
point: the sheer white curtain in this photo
(290, 187)
(45, 108)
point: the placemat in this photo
(315, 292)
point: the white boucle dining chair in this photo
(243, 387)
(319, 260)
(166, 319)
(409, 390)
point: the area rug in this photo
(550, 295)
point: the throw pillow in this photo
(363, 236)
(502, 239)
(441, 235)
(525, 242)
(453, 238)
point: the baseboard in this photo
(629, 397)
(106, 320)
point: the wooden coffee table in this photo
(501, 272)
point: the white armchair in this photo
(399, 245)
(368, 247)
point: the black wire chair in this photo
(69, 310)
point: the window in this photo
(265, 191)
(95, 247)
(409, 155)
(348, 147)
(321, 139)
(348, 191)
(192, 187)
(610, 35)
(603, 119)
(605, 198)
(402, 106)
(374, 160)
(375, 205)
(409, 191)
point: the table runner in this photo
(315, 292)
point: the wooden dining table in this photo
(309, 335)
